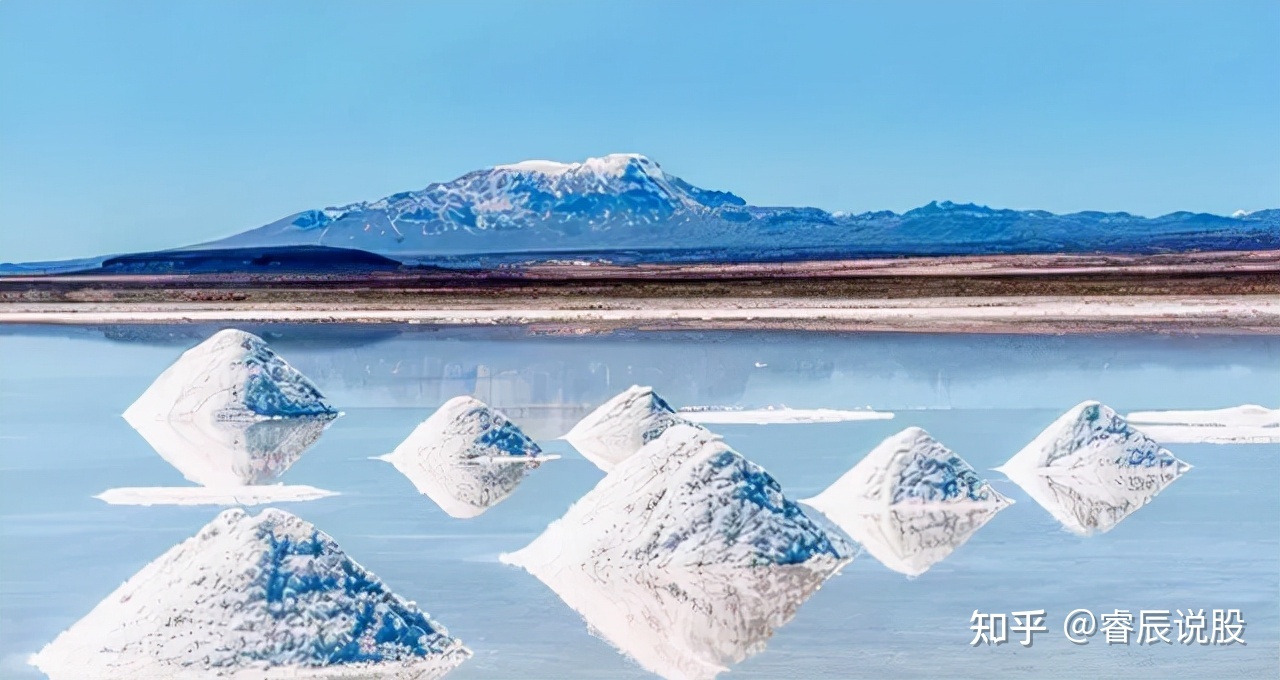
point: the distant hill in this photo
(624, 208)
(271, 260)
(627, 203)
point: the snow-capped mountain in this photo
(686, 556)
(910, 502)
(264, 596)
(534, 205)
(466, 457)
(620, 426)
(1091, 469)
(626, 207)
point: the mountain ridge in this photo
(625, 209)
(628, 202)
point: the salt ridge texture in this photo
(685, 557)
(1091, 469)
(622, 425)
(910, 502)
(466, 457)
(233, 375)
(266, 596)
(231, 416)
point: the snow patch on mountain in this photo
(611, 166)
(1091, 469)
(466, 457)
(621, 426)
(253, 597)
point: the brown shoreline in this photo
(1229, 314)
(1183, 293)
(1227, 273)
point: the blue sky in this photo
(140, 125)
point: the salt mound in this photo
(466, 457)
(686, 556)
(1091, 469)
(231, 416)
(616, 430)
(253, 597)
(910, 502)
(233, 375)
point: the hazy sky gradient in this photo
(141, 125)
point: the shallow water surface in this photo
(1211, 540)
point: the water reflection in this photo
(515, 367)
(685, 557)
(666, 595)
(234, 453)
(1091, 469)
(910, 502)
(466, 457)
(688, 623)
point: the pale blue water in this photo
(1212, 540)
